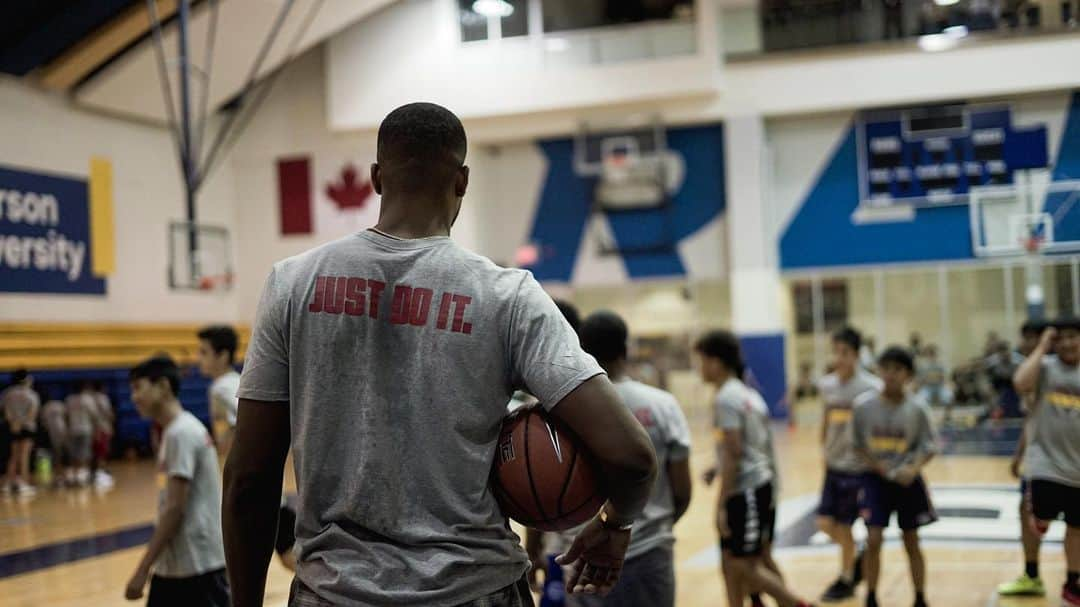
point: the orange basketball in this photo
(543, 476)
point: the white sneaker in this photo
(26, 490)
(103, 480)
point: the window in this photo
(475, 26)
(564, 15)
(834, 294)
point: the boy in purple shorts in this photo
(895, 436)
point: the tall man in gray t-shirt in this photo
(185, 554)
(746, 463)
(389, 357)
(1052, 460)
(648, 578)
(895, 436)
(839, 506)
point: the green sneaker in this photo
(1023, 586)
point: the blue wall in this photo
(562, 214)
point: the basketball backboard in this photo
(1040, 216)
(200, 257)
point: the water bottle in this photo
(43, 468)
(554, 589)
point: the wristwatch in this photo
(609, 522)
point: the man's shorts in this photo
(1050, 499)
(206, 590)
(881, 497)
(79, 448)
(515, 595)
(23, 434)
(840, 496)
(751, 518)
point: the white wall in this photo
(293, 122)
(44, 133)
(412, 51)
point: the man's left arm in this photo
(252, 496)
(169, 523)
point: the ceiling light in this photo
(494, 8)
(945, 2)
(933, 43)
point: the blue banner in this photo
(45, 234)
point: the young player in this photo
(648, 578)
(389, 357)
(217, 355)
(895, 436)
(104, 418)
(1029, 583)
(20, 406)
(54, 418)
(746, 511)
(1052, 460)
(185, 554)
(839, 507)
(81, 418)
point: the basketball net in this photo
(617, 167)
(1033, 244)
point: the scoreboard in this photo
(932, 156)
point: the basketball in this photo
(543, 478)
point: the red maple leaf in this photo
(348, 192)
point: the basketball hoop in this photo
(220, 282)
(617, 166)
(1033, 244)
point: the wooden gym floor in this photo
(78, 547)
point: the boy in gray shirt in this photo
(1052, 459)
(746, 509)
(839, 506)
(648, 578)
(186, 553)
(19, 405)
(895, 436)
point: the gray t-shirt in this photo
(663, 419)
(893, 434)
(397, 359)
(741, 408)
(54, 416)
(839, 398)
(187, 452)
(19, 405)
(81, 414)
(1053, 451)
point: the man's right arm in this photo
(1026, 378)
(616, 440)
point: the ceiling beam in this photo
(84, 57)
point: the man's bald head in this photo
(422, 147)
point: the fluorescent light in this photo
(493, 8)
(956, 31)
(945, 2)
(933, 43)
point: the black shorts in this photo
(23, 434)
(206, 590)
(881, 497)
(1050, 500)
(286, 530)
(840, 497)
(751, 518)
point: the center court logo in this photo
(977, 516)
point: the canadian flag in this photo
(327, 197)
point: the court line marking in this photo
(70, 551)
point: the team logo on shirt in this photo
(1064, 397)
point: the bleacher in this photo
(61, 355)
